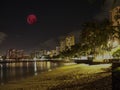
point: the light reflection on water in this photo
(20, 70)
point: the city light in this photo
(55, 47)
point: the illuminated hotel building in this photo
(70, 41)
(38, 53)
(115, 19)
(57, 50)
(15, 54)
(62, 45)
(67, 42)
(115, 16)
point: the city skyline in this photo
(51, 45)
(54, 19)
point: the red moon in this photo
(31, 19)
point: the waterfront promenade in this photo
(70, 77)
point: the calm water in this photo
(20, 70)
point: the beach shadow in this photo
(99, 84)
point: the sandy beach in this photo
(69, 77)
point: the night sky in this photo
(54, 19)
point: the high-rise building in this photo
(115, 19)
(70, 41)
(38, 53)
(57, 50)
(67, 42)
(62, 45)
(52, 53)
(115, 16)
(15, 54)
(20, 53)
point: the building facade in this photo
(115, 19)
(70, 41)
(57, 50)
(115, 16)
(67, 42)
(15, 54)
(62, 45)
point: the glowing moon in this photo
(31, 19)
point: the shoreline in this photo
(68, 77)
(15, 61)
